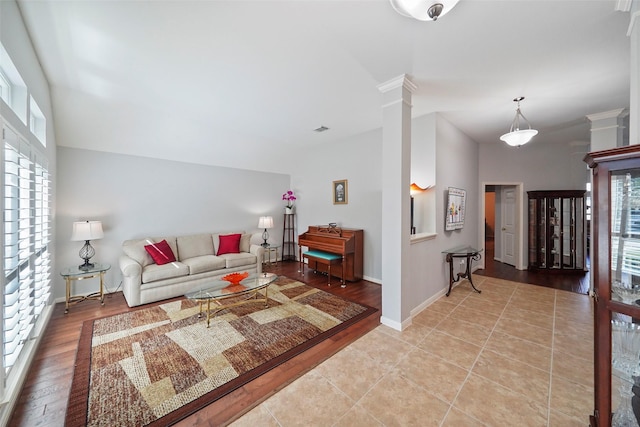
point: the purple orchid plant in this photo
(289, 197)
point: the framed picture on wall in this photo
(456, 199)
(340, 192)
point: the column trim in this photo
(397, 82)
(618, 112)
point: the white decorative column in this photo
(607, 129)
(396, 173)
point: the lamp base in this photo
(87, 265)
(86, 252)
(265, 245)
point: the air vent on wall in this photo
(321, 129)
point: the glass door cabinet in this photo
(616, 280)
(557, 230)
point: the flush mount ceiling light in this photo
(516, 136)
(423, 10)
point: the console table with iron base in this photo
(470, 254)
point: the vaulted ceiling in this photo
(239, 83)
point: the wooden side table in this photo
(75, 273)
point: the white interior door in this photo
(508, 236)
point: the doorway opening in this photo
(502, 224)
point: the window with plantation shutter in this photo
(625, 247)
(26, 287)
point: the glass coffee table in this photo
(217, 293)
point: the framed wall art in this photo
(340, 192)
(456, 199)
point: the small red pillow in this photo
(229, 244)
(161, 252)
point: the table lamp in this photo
(87, 231)
(265, 222)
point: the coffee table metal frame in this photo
(218, 291)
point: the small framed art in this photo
(340, 192)
(455, 209)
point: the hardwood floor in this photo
(572, 282)
(43, 400)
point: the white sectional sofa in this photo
(199, 258)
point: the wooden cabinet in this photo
(557, 238)
(616, 280)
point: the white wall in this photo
(126, 191)
(539, 166)
(137, 197)
(423, 171)
(456, 166)
(358, 160)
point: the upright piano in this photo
(347, 242)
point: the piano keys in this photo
(347, 242)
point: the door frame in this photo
(520, 213)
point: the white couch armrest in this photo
(131, 279)
(129, 267)
(258, 251)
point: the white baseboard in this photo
(391, 323)
(429, 301)
(371, 279)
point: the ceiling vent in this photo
(321, 129)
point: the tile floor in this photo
(515, 355)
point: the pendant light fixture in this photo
(423, 10)
(516, 136)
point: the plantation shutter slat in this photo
(625, 188)
(26, 217)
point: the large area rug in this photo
(155, 366)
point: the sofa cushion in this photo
(135, 250)
(229, 244)
(171, 240)
(194, 245)
(239, 259)
(154, 272)
(161, 252)
(216, 238)
(200, 264)
(245, 243)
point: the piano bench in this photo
(326, 258)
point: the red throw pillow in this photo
(229, 244)
(161, 252)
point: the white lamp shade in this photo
(265, 222)
(518, 137)
(87, 230)
(419, 9)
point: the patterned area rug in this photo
(155, 366)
